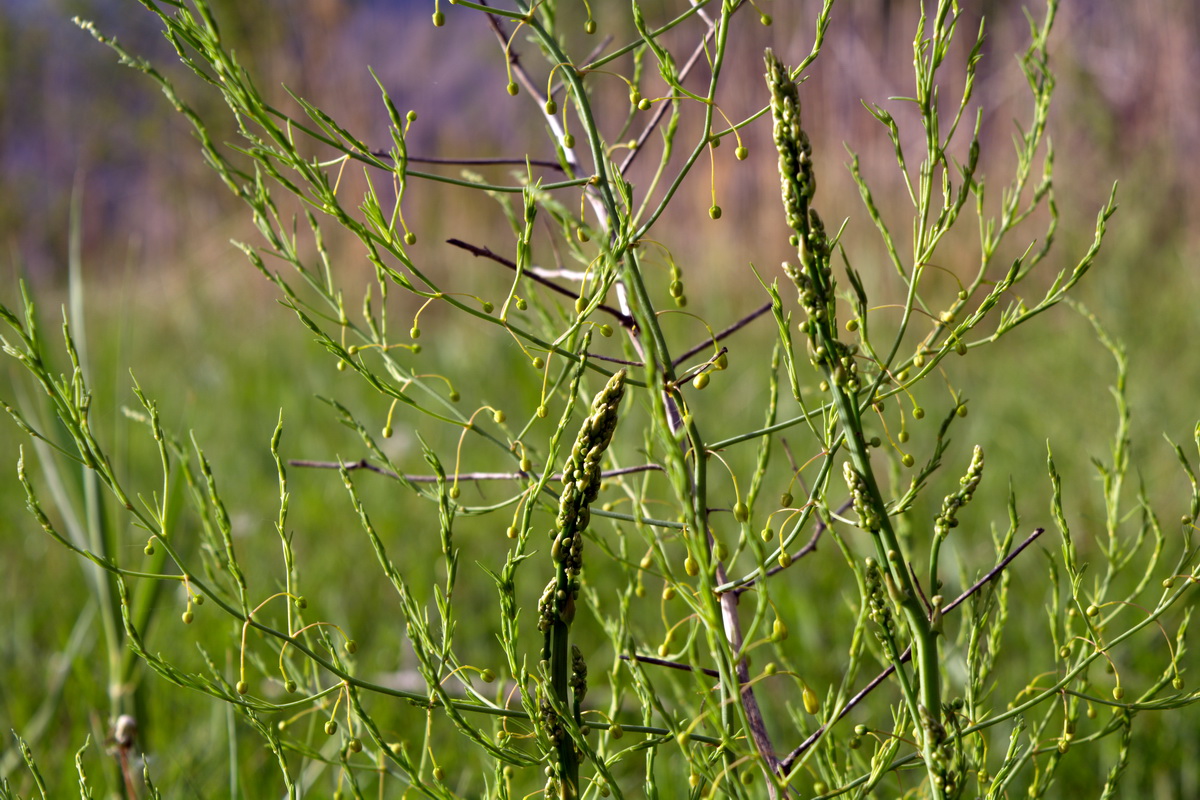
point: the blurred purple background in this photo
(70, 115)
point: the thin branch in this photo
(791, 757)
(613, 360)
(661, 111)
(809, 547)
(662, 662)
(754, 717)
(362, 463)
(533, 162)
(475, 250)
(732, 329)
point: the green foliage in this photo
(690, 638)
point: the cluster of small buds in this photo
(550, 724)
(845, 371)
(941, 753)
(581, 486)
(569, 550)
(581, 477)
(948, 518)
(578, 674)
(795, 152)
(868, 515)
(547, 608)
(880, 610)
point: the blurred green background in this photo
(172, 301)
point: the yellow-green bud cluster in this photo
(548, 609)
(795, 152)
(813, 278)
(941, 753)
(581, 477)
(879, 608)
(948, 518)
(864, 505)
(579, 684)
(581, 485)
(551, 725)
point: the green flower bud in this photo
(439, 19)
(568, 140)
(551, 106)
(513, 88)
(811, 702)
(700, 381)
(589, 27)
(410, 238)
(351, 646)
(714, 212)
(242, 687)
(290, 686)
(188, 617)
(741, 153)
